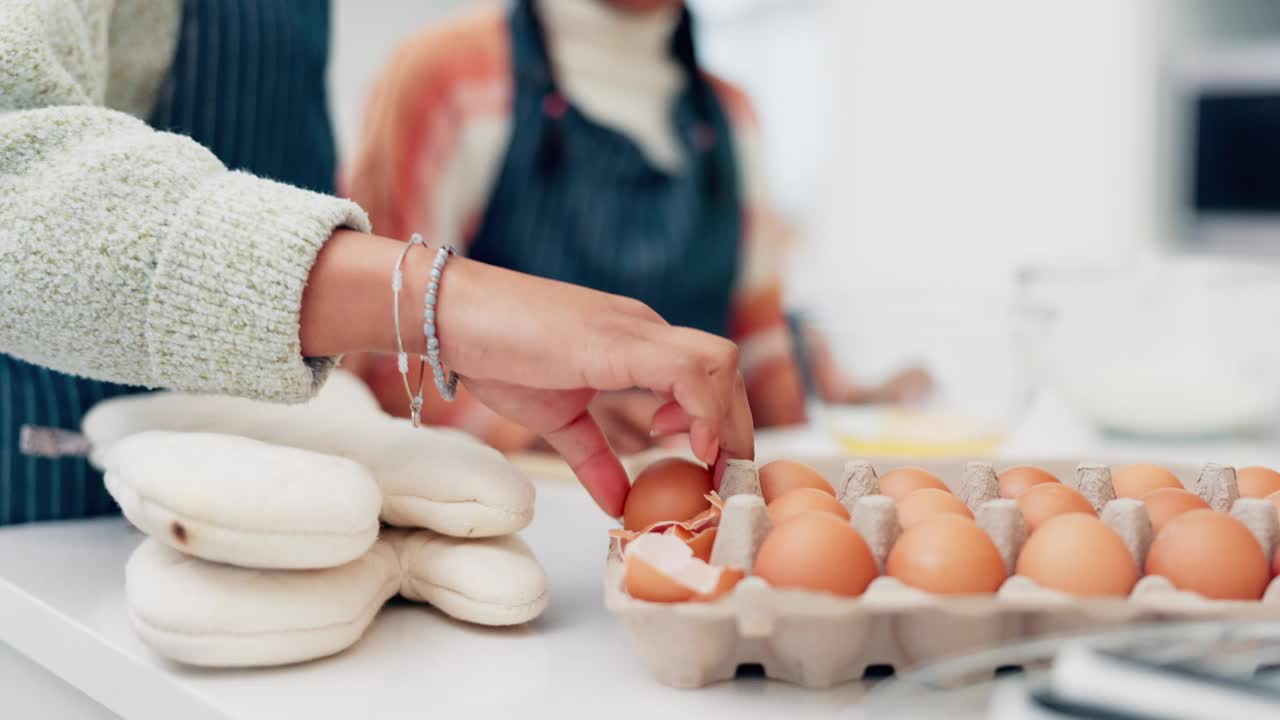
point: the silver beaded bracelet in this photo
(448, 387)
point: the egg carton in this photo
(820, 640)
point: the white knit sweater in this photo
(133, 255)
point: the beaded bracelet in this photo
(448, 388)
(402, 357)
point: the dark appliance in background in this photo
(1232, 193)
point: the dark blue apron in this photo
(247, 82)
(579, 202)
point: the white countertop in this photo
(62, 606)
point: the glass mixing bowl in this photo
(1171, 347)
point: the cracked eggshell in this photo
(700, 543)
(662, 568)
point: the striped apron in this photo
(579, 202)
(247, 82)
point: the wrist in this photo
(347, 305)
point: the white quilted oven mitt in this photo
(235, 500)
(443, 480)
(215, 615)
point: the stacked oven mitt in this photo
(276, 533)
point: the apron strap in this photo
(534, 64)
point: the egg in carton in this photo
(819, 640)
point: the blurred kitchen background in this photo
(988, 188)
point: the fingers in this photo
(585, 449)
(663, 366)
(669, 420)
(626, 435)
(707, 396)
(738, 431)
(737, 438)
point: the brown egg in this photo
(671, 489)
(1134, 481)
(1167, 503)
(927, 502)
(1275, 565)
(1047, 500)
(816, 551)
(803, 500)
(1016, 480)
(1210, 553)
(1080, 555)
(782, 476)
(1257, 482)
(897, 483)
(948, 555)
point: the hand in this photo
(537, 352)
(626, 419)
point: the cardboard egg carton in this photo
(820, 640)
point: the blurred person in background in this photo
(580, 140)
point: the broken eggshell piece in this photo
(693, 526)
(663, 568)
(700, 543)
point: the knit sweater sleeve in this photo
(132, 255)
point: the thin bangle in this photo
(448, 388)
(402, 357)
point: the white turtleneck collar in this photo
(616, 68)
